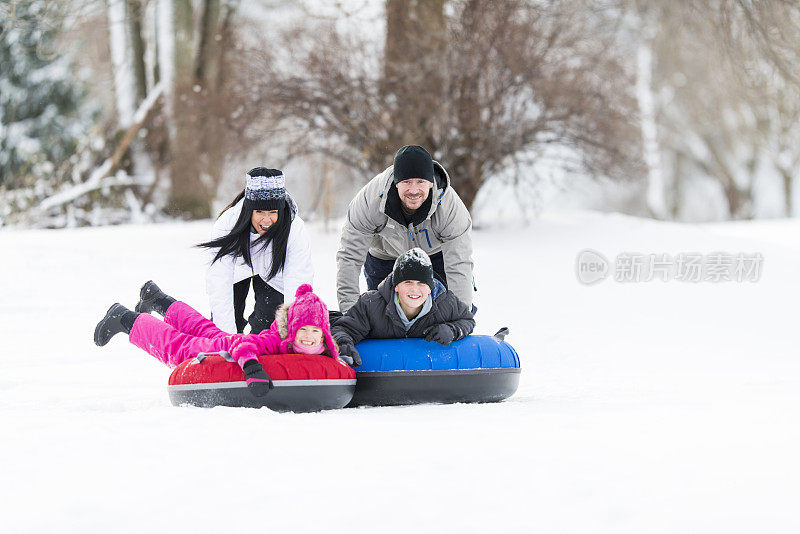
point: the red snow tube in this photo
(302, 383)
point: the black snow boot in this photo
(118, 319)
(152, 299)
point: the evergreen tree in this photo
(39, 100)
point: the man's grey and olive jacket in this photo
(446, 228)
(375, 316)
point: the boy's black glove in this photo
(440, 333)
(348, 353)
(258, 381)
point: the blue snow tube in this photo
(477, 368)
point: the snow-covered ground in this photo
(642, 407)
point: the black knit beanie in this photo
(265, 190)
(413, 265)
(413, 161)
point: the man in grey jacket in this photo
(410, 204)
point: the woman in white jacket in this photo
(257, 239)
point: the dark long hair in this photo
(237, 242)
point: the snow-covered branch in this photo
(101, 176)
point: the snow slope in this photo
(643, 407)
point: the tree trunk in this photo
(134, 13)
(676, 195)
(210, 78)
(739, 198)
(415, 48)
(788, 191)
(471, 178)
(125, 91)
(656, 193)
(130, 87)
(208, 52)
(739, 202)
(190, 196)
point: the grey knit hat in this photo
(265, 190)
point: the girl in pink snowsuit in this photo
(302, 327)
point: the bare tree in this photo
(192, 61)
(643, 18)
(769, 31)
(175, 116)
(181, 48)
(772, 27)
(726, 109)
(481, 84)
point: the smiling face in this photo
(262, 220)
(413, 193)
(412, 293)
(309, 336)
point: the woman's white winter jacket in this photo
(226, 271)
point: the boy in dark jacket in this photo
(408, 303)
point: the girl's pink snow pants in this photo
(182, 334)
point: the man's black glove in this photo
(258, 381)
(440, 333)
(348, 352)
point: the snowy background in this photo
(642, 407)
(565, 126)
(128, 111)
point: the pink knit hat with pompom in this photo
(308, 310)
